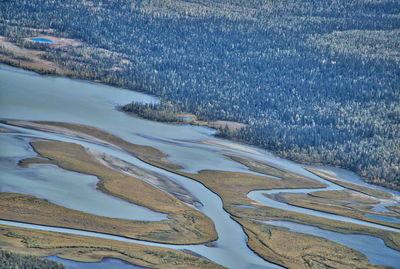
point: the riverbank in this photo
(187, 225)
(233, 191)
(167, 113)
(57, 99)
(354, 203)
(225, 129)
(91, 249)
(29, 59)
(228, 185)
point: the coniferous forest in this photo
(314, 81)
(10, 260)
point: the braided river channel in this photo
(28, 96)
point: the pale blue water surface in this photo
(28, 96)
(42, 40)
(104, 264)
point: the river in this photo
(27, 96)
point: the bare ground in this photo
(27, 58)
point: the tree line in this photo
(314, 81)
(11, 260)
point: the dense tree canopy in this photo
(10, 260)
(315, 81)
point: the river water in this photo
(28, 96)
(389, 257)
(61, 187)
(104, 264)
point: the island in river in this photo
(208, 216)
(304, 80)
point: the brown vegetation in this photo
(347, 209)
(351, 186)
(88, 132)
(395, 208)
(187, 225)
(233, 187)
(27, 208)
(345, 195)
(91, 249)
(30, 59)
(297, 250)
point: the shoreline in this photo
(279, 154)
(150, 162)
(218, 193)
(87, 240)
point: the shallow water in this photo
(354, 178)
(227, 244)
(261, 198)
(379, 254)
(27, 96)
(104, 264)
(230, 250)
(42, 40)
(73, 190)
(245, 206)
(383, 218)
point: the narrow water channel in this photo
(379, 254)
(27, 96)
(230, 250)
(104, 264)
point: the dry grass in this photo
(272, 170)
(395, 208)
(297, 250)
(27, 208)
(91, 249)
(97, 135)
(88, 132)
(74, 157)
(351, 186)
(344, 195)
(392, 239)
(108, 138)
(35, 160)
(4, 130)
(187, 225)
(27, 58)
(335, 207)
(233, 187)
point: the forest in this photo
(164, 112)
(314, 81)
(10, 260)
